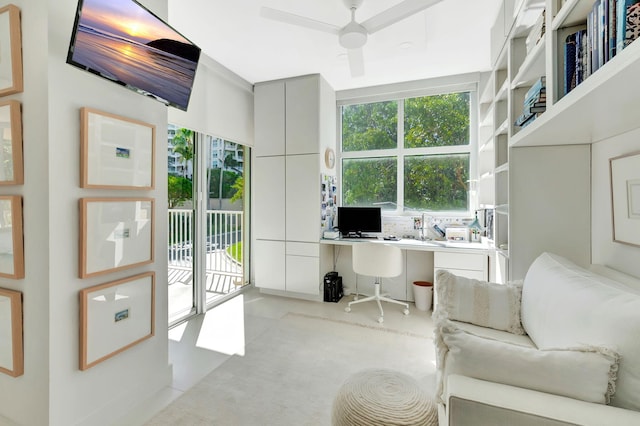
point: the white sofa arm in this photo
(478, 402)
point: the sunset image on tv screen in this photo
(124, 42)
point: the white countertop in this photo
(411, 244)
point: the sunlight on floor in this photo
(176, 333)
(223, 328)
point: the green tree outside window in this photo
(433, 178)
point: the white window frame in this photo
(400, 152)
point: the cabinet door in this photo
(269, 195)
(303, 198)
(302, 116)
(303, 274)
(269, 119)
(269, 263)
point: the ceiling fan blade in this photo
(396, 13)
(356, 62)
(290, 18)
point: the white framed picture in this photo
(115, 234)
(11, 349)
(11, 166)
(625, 198)
(115, 316)
(116, 152)
(11, 237)
(11, 80)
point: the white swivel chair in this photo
(380, 261)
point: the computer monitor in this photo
(354, 221)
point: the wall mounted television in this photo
(358, 221)
(124, 42)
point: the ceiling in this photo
(451, 37)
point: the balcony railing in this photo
(222, 243)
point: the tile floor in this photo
(202, 344)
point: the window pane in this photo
(441, 120)
(368, 181)
(370, 126)
(436, 182)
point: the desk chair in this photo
(380, 261)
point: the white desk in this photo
(408, 244)
(422, 259)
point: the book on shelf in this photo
(536, 33)
(536, 102)
(539, 98)
(612, 28)
(539, 87)
(570, 61)
(525, 119)
(593, 29)
(627, 22)
(531, 109)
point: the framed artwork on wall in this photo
(115, 316)
(11, 350)
(115, 234)
(11, 166)
(625, 198)
(11, 240)
(116, 152)
(10, 51)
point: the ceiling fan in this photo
(353, 36)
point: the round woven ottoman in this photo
(383, 397)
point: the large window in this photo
(408, 154)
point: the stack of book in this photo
(611, 26)
(535, 103)
(536, 33)
(576, 57)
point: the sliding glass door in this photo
(207, 205)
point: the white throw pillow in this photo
(587, 374)
(479, 302)
(564, 305)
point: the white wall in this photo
(53, 391)
(605, 251)
(221, 104)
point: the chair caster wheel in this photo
(347, 309)
(380, 320)
(406, 312)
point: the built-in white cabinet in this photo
(302, 267)
(269, 262)
(269, 119)
(303, 198)
(470, 265)
(537, 178)
(293, 118)
(302, 118)
(269, 185)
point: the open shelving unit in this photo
(522, 170)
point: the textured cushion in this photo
(479, 302)
(586, 373)
(564, 305)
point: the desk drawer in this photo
(469, 261)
